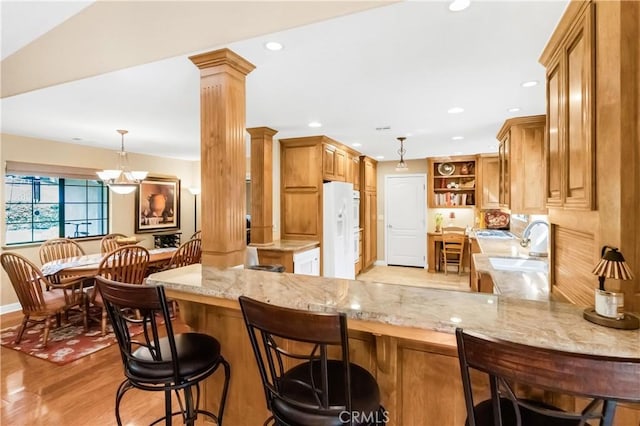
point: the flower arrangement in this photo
(439, 218)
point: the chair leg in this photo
(103, 321)
(124, 387)
(45, 335)
(23, 327)
(167, 407)
(227, 378)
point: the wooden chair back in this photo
(59, 248)
(188, 253)
(197, 234)
(281, 336)
(28, 283)
(453, 243)
(108, 242)
(603, 379)
(126, 264)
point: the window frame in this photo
(62, 184)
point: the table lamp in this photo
(608, 310)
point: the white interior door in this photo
(405, 207)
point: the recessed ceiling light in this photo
(356, 144)
(530, 83)
(273, 45)
(380, 157)
(458, 5)
(455, 110)
(514, 109)
(457, 138)
(315, 124)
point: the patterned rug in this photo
(66, 343)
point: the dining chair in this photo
(108, 242)
(171, 363)
(453, 243)
(600, 382)
(59, 248)
(302, 385)
(38, 304)
(188, 253)
(125, 264)
(197, 234)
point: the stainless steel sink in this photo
(494, 233)
(518, 264)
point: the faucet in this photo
(540, 239)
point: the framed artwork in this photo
(158, 205)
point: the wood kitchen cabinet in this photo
(488, 172)
(334, 162)
(369, 211)
(522, 165)
(569, 150)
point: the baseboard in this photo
(380, 262)
(12, 307)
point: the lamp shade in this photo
(612, 265)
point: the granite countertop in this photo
(290, 245)
(519, 284)
(545, 324)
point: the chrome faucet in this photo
(539, 246)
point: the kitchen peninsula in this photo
(403, 335)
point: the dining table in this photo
(87, 265)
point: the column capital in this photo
(222, 57)
(257, 132)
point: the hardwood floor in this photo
(36, 392)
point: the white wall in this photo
(122, 207)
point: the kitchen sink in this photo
(518, 264)
(494, 233)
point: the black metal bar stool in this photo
(173, 363)
(303, 386)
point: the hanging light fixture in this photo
(121, 180)
(402, 166)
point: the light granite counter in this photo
(518, 284)
(546, 324)
(290, 245)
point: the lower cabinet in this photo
(307, 262)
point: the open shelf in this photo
(456, 190)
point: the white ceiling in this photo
(400, 65)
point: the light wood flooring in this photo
(36, 392)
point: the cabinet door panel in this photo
(490, 182)
(553, 143)
(579, 150)
(328, 162)
(340, 165)
(531, 166)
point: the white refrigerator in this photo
(337, 232)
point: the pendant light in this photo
(121, 180)
(402, 166)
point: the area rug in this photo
(66, 343)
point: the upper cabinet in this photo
(334, 162)
(488, 171)
(569, 151)
(452, 182)
(522, 165)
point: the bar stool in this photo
(315, 390)
(170, 364)
(603, 379)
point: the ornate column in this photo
(222, 150)
(261, 185)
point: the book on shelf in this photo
(449, 199)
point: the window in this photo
(38, 208)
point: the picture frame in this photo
(158, 205)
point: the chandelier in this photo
(121, 180)
(402, 166)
